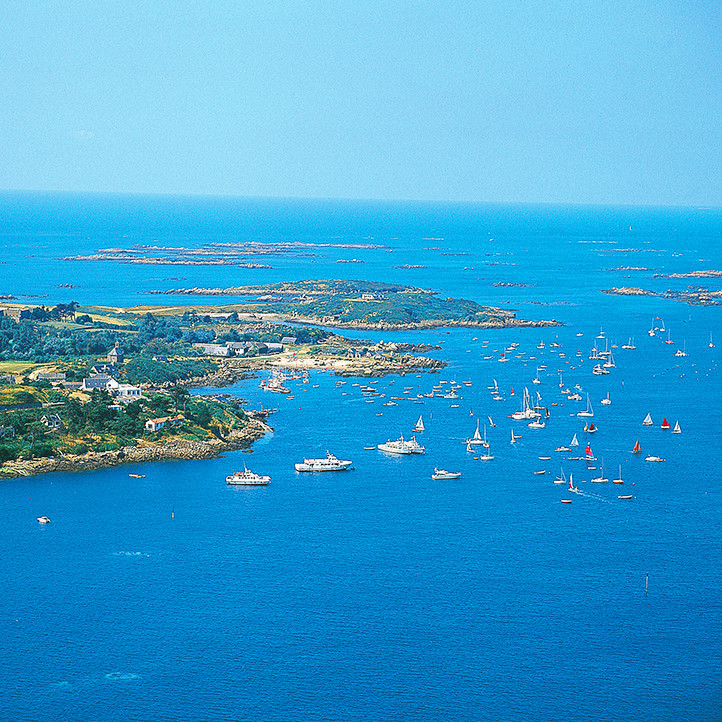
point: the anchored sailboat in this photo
(588, 411)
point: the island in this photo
(83, 387)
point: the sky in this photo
(552, 101)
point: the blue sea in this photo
(379, 593)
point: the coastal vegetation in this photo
(361, 304)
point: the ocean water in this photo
(378, 593)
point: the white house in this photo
(158, 424)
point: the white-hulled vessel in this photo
(330, 463)
(247, 478)
(402, 446)
(443, 474)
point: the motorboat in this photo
(44, 520)
(440, 474)
(329, 463)
(402, 446)
(654, 458)
(247, 478)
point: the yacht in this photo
(443, 474)
(247, 477)
(330, 463)
(401, 446)
(588, 411)
(44, 520)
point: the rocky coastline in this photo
(168, 449)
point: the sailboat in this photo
(651, 330)
(606, 400)
(681, 351)
(669, 337)
(476, 440)
(486, 456)
(419, 425)
(491, 423)
(710, 344)
(637, 448)
(647, 420)
(665, 424)
(574, 441)
(591, 429)
(588, 455)
(588, 411)
(629, 344)
(571, 484)
(619, 479)
(536, 379)
(676, 429)
(601, 479)
(513, 437)
(561, 479)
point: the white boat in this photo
(536, 424)
(630, 344)
(443, 474)
(609, 363)
(402, 446)
(599, 370)
(654, 458)
(676, 429)
(513, 437)
(330, 463)
(561, 479)
(681, 351)
(574, 441)
(44, 520)
(476, 439)
(619, 479)
(588, 411)
(527, 412)
(486, 456)
(606, 400)
(647, 420)
(419, 425)
(247, 477)
(562, 449)
(711, 343)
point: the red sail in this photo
(637, 448)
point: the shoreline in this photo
(167, 450)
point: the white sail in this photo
(477, 435)
(574, 441)
(647, 420)
(419, 424)
(677, 429)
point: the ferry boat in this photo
(402, 446)
(330, 463)
(247, 478)
(443, 474)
